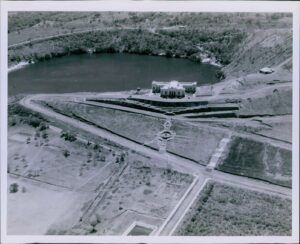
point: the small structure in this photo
(266, 70)
(173, 89)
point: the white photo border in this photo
(145, 6)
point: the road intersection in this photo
(183, 164)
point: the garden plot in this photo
(223, 210)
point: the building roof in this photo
(173, 83)
(266, 70)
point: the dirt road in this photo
(178, 162)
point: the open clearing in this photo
(62, 181)
(227, 210)
(36, 206)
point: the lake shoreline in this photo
(211, 61)
(106, 72)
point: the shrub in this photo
(66, 153)
(45, 135)
(122, 158)
(68, 136)
(43, 126)
(34, 122)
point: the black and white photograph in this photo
(145, 124)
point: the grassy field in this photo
(264, 161)
(225, 210)
(188, 142)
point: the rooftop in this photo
(173, 84)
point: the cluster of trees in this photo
(68, 136)
(218, 33)
(176, 43)
(17, 114)
(227, 210)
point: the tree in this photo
(43, 126)
(93, 222)
(96, 147)
(13, 188)
(122, 158)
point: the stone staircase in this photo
(217, 155)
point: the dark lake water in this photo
(105, 72)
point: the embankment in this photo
(260, 160)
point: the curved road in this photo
(180, 163)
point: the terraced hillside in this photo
(195, 142)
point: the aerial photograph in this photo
(149, 123)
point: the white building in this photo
(266, 70)
(173, 89)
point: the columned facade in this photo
(173, 89)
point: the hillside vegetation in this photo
(260, 49)
(223, 38)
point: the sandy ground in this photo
(32, 212)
